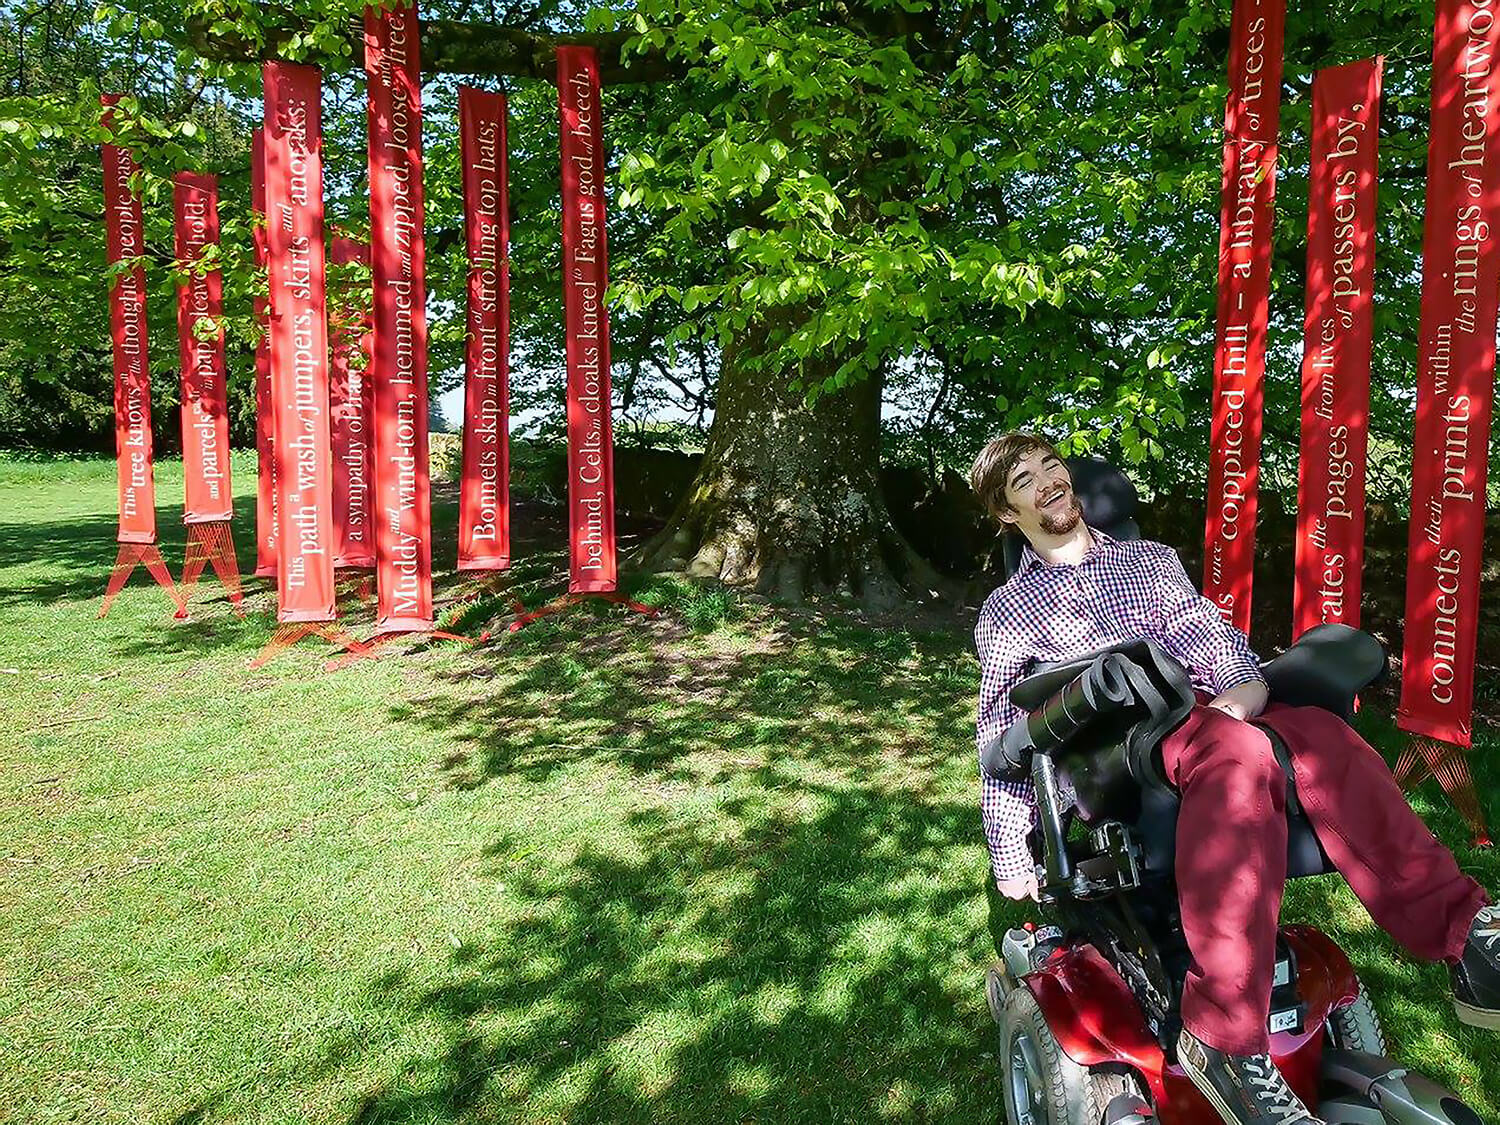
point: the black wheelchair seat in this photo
(1155, 828)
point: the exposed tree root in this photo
(791, 549)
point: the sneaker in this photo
(1476, 977)
(1245, 1089)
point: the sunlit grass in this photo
(724, 865)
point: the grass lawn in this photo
(721, 866)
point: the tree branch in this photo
(190, 99)
(458, 47)
(700, 398)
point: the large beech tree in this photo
(994, 213)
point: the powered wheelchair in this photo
(1088, 1014)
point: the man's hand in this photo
(1243, 701)
(1023, 886)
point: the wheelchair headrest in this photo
(1106, 495)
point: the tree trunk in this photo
(787, 498)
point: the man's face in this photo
(1040, 494)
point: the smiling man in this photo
(1077, 590)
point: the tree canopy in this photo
(1002, 213)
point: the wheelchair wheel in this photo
(1357, 1027)
(1041, 1085)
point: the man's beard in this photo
(1060, 523)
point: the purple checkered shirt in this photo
(1120, 591)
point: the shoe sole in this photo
(1488, 1018)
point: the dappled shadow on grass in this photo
(77, 553)
(776, 960)
(50, 560)
(656, 697)
(782, 921)
(70, 559)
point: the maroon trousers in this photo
(1231, 857)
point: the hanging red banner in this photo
(350, 401)
(1250, 125)
(200, 337)
(299, 341)
(127, 325)
(1336, 346)
(1455, 375)
(591, 489)
(398, 369)
(265, 491)
(484, 483)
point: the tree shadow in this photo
(44, 562)
(658, 698)
(74, 555)
(786, 924)
(757, 964)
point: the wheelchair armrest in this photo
(1098, 691)
(1104, 717)
(1045, 679)
(1148, 693)
(1326, 667)
(1161, 690)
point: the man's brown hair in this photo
(993, 466)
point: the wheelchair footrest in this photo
(1377, 1090)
